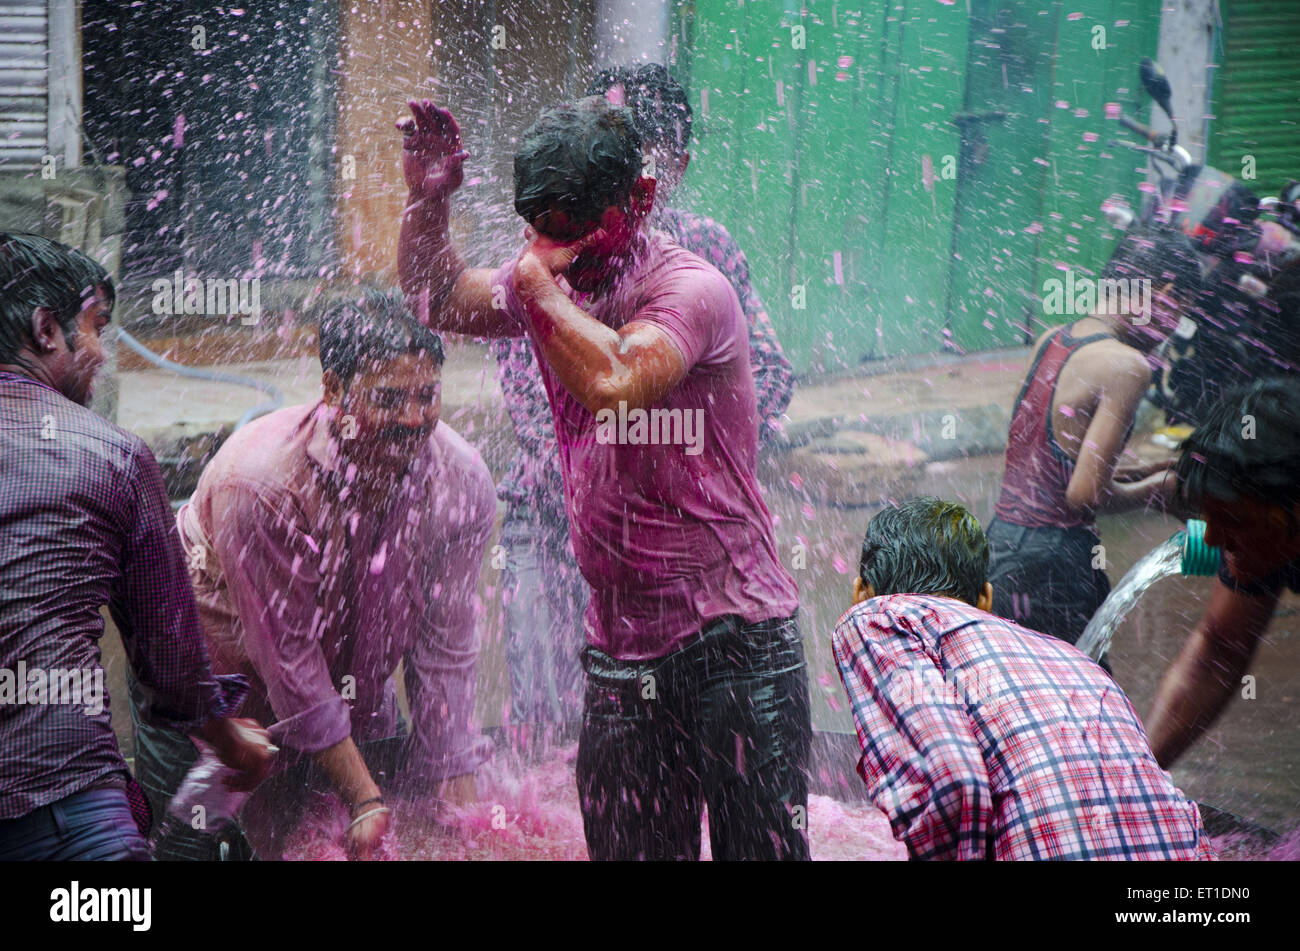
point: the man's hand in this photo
(543, 258)
(432, 157)
(363, 839)
(243, 745)
(1133, 472)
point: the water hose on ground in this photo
(216, 376)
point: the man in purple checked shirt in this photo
(545, 594)
(85, 522)
(696, 682)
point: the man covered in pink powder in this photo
(329, 543)
(696, 690)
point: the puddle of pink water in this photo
(1238, 847)
(534, 816)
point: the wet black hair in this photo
(578, 157)
(1160, 253)
(1247, 445)
(660, 108)
(37, 272)
(365, 326)
(925, 546)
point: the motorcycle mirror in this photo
(1156, 83)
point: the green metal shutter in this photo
(1255, 104)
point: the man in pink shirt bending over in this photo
(328, 543)
(696, 691)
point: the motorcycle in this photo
(1246, 322)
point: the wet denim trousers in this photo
(724, 723)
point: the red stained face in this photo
(603, 259)
(611, 250)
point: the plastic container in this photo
(1199, 559)
(204, 802)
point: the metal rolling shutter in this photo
(1257, 99)
(24, 48)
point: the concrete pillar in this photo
(1188, 30)
(630, 31)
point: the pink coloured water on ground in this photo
(534, 816)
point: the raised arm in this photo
(443, 292)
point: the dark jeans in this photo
(94, 825)
(723, 722)
(1043, 578)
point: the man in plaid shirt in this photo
(84, 523)
(982, 739)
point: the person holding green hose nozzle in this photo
(1241, 469)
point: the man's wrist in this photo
(213, 732)
(432, 209)
(533, 282)
(373, 801)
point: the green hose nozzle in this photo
(1199, 559)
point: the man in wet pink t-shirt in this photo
(328, 544)
(696, 689)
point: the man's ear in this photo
(46, 332)
(985, 599)
(643, 197)
(682, 162)
(332, 388)
(862, 591)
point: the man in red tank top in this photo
(1069, 426)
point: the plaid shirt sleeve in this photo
(525, 397)
(156, 614)
(920, 760)
(533, 477)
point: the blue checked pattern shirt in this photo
(84, 523)
(984, 740)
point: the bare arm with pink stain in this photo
(443, 292)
